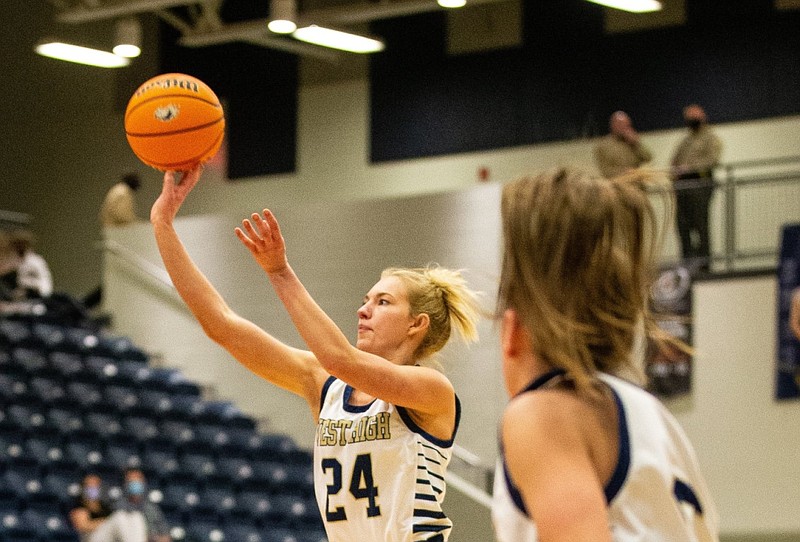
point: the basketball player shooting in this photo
(385, 422)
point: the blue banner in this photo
(787, 385)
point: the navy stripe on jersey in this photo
(325, 390)
(624, 455)
(422, 528)
(348, 391)
(537, 383)
(424, 497)
(435, 514)
(406, 417)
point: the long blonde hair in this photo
(578, 263)
(444, 296)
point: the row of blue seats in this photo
(49, 336)
(69, 367)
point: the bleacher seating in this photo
(75, 400)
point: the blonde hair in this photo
(443, 295)
(578, 264)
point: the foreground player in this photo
(385, 425)
(586, 455)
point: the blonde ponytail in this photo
(444, 296)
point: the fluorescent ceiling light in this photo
(127, 38)
(282, 14)
(81, 55)
(336, 39)
(282, 26)
(634, 6)
(450, 4)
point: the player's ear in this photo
(420, 324)
(514, 338)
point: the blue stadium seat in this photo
(271, 446)
(157, 402)
(187, 407)
(12, 443)
(242, 533)
(67, 364)
(86, 394)
(123, 451)
(132, 372)
(199, 461)
(212, 434)
(63, 483)
(254, 503)
(204, 530)
(180, 496)
(101, 368)
(159, 459)
(236, 468)
(47, 390)
(142, 427)
(103, 423)
(28, 417)
(47, 525)
(278, 535)
(13, 332)
(86, 449)
(22, 477)
(52, 336)
(13, 384)
(121, 398)
(218, 495)
(294, 510)
(32, 360)
(45, 447)
(65, 420)
(316, 534)
(181, 433)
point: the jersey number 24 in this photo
(362, 486)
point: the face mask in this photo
(694, 124)
(91, 493)
(135, 487)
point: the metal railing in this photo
(751, 202)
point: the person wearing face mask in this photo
(138, 519)
(693, 165)
(90, 513)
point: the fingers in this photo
(272, 223)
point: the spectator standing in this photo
(119, 207)
(693, 165)
(620, 150)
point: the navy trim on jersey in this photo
(325, 387)
(624, 454)
(541, 380)
(406, 417)
(348, 391)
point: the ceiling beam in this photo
(84, 14)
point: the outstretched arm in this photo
(290, 368)
(421, 389)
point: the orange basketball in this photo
(174, 121)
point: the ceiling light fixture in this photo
(282, 16)
(634, 6)
(451, 4)
(80, 55)
(337, 39)
(128, 38)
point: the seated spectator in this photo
(34, 279)
(9, 261)
(139, 519)
(91, 512)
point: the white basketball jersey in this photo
(377, 475)
(656, 493)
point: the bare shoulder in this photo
(547, 416)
